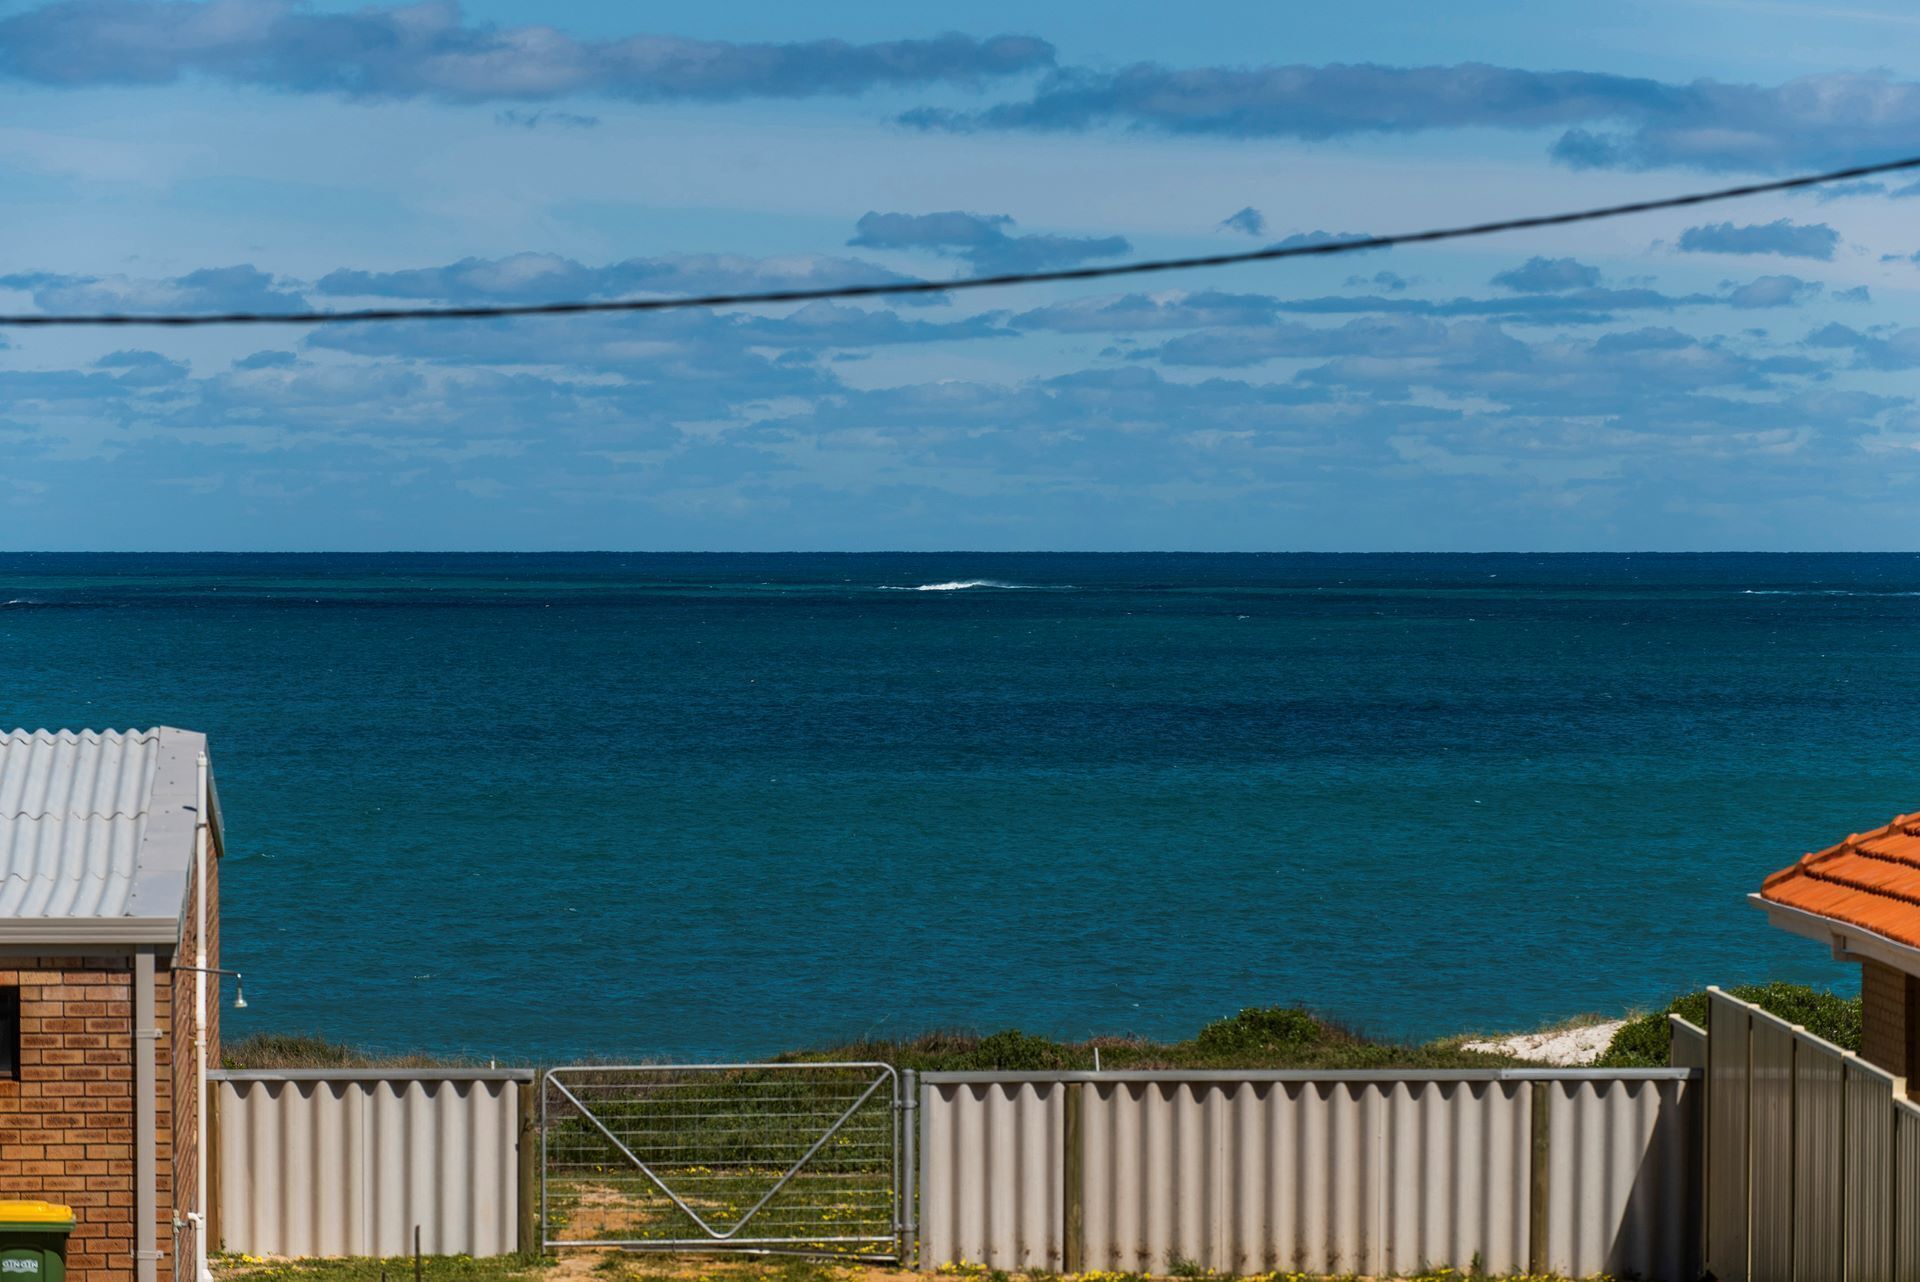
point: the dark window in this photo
(10, 1032)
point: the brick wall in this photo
(1885, 1013)
(66, 1126)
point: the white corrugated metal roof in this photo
(96, 832)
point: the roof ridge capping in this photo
(79, 736)
(164, 862)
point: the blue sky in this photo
(1736, 377)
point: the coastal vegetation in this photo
(620, 1266)
(1642, 1041)
(1265, 1037)
(1258, 1037)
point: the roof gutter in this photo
(1850, 943)
(88, 930)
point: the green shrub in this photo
(1642, 1042)
(1013, 1051)
(1262, 1028)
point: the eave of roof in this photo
(1848, 943)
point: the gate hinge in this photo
(149, 1255)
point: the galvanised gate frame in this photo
(811, 1159)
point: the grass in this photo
(304, 1050)
(308, 1050)
(722, 1267)
(434, 1268)
(1642, 1042)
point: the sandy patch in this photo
(1565, 1048)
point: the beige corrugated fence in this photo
(1575, 1171)
(328, 1163)
(999, 1192)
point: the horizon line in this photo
(28, 552)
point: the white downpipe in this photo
(201, 845)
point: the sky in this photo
(1739, 376)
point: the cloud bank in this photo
(1284, 418)
(982, 241)
(1608, 121)
(1783, 237)
(429, 50)
(432, 50)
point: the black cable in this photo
(972, 282)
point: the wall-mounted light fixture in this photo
(239, 994)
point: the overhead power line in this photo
(1270, 254)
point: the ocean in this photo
(562, 806)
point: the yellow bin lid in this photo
(35, 1213)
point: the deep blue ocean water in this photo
(714, 805)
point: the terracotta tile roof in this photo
(1870, 880)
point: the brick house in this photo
(1862, 899)
(98, 909)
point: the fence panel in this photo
(1906, 1188)
(991, 1166)
(1302, 1161)
(1243, 1176)
(1246, 1173)
(1729, 1141)
(1623, 1177)
(1770, 1128)
(1868, 1171)
(1686, 1044)
(1457, 1157)
(1819, 1188)
(347, 1162)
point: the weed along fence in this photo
(1812, 1156)
(350, 1162)
(1570, 1171)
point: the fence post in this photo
(216, 1188)
(528, 1152)
(910, 1171)
(1539, 1153)
(1896, 1257)
(1073, 1183)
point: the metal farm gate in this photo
(812, 1159)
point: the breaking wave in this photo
(961, 585)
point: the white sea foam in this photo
(961, 585)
